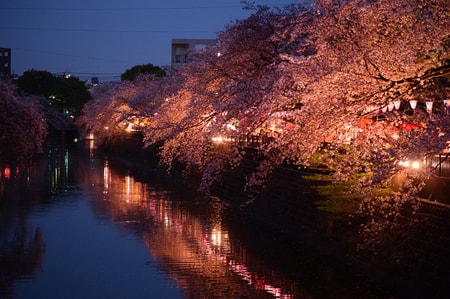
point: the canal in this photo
(75, 224)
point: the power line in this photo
(81, 74)
(90, 74)
(119, 8)
(87, 76)
(54, 29)
(68, 55)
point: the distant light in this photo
(231, 127)
(222, 139)
(219, 54)
(218, 139)
(404, 163)
(410, 164)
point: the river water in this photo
(78, 225)
(74, 226)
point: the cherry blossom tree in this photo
(370, 56)
(334, 79)
(356, 85)
(226, 90)
(120, 106)
(22, 123)
(318, 70)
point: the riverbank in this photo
(287, 212)
(412, 261)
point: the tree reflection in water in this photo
(191, 239)
(188, 239)
(21, 253)
(21, 246)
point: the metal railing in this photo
(440, 163)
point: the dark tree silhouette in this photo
(64, 92)
(135, 71)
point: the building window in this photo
(180, 58)
(200, 47)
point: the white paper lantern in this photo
(429, 106)
(391, 106)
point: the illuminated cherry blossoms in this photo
(22, 123)
(355, 85)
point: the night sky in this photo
(103, 38)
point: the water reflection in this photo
(195, 242)
(22, 248)
(188, 239)
(21, 251)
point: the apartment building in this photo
(182, 47)
(5, 62)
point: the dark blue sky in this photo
(105, 37)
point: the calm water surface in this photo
(76, 226)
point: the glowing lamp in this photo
(415, 165)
